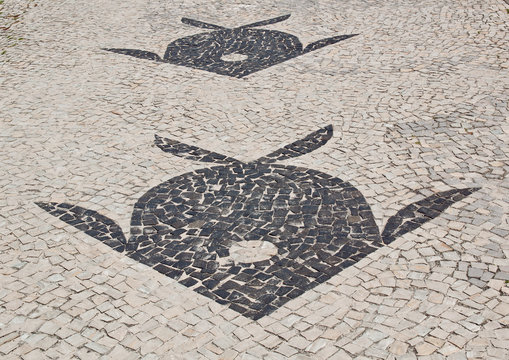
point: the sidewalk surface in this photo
(217, 180)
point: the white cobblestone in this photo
(418, 103)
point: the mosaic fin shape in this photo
(422, 211)
(258, 49)
(252, 235)
(91, 222)
(191, 152)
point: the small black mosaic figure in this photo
(212, 51)
(299, 227)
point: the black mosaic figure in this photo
(318, 225)
(205, 51)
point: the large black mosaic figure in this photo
(317, 225)
(210, 51)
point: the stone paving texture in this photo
(418, 102)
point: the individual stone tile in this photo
(398, 348)
(425, 348)
(286, 350)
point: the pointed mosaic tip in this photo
(415, 215)
(90, 222)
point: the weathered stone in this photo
(415, 113)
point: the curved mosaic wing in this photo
(91, 222)
(266, 22)
(325, 42)
(201, 24)
(191, 152)
(311, 142)
(140, 54)
(414, 215)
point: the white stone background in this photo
(418, 101)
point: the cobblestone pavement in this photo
(228, 182)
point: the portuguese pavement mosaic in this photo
(327, 183)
